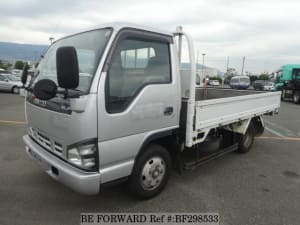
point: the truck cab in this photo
(127, 94)
(288, 82)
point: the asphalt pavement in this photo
(261, 187)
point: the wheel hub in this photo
(247, 139)
(296, 97)
(153, 173)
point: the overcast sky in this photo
(266, 32)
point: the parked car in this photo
(214, 82)
(269, 86)
(16, 72)
(10, 83)
(259, 84)
(263, 85)
(3, 71)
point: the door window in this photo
(296, 74)
(134, 65)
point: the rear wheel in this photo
(245, 141)
(296, 97)
(283, 91)
(15, 90)
(151, 172)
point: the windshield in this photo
(244, 80)
(13, 78)
(234, 80)
(296, 74)
(4, 72)
(89, 46)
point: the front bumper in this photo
(80, 181)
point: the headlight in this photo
(84, 156)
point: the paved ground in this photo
(261, 187)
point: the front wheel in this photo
(283, 94)
(245, 141)
(296, 97)
(151, 172)
(15, 90)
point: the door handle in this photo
(168, 111)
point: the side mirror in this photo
(45, 89)
(67, 67)
(197, 79)
(24, 74)
(6, 80)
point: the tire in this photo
(151, 172)
(296, 97)
(283, 94)
(15, 90)
(245, 141)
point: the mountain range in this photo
(13, 51)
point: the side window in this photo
(2, 78)
(296, 74)
(135, 64)
(137, 58)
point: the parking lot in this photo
(261, 187)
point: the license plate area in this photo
(35, 156)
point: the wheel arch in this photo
(258, 124)
(13, 87)
(163, 138)
(242, 126)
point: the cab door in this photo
(138, 96)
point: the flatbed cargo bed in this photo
(217, 107)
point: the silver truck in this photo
(111, 104)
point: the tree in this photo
(264, 77)
(227, 79)
(19, 65)
(231, 71)
(5, 65)
(253, 78)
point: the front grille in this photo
(46, 142)
(58, 147)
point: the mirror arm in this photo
(66, 94)
(29, 89)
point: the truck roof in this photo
(121, 25)
(289, 66)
